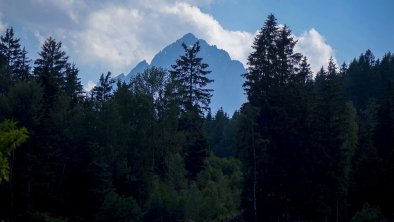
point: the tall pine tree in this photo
(189, 78)
(50, 69)
(189, 75)
(15, 57)
(277, 110)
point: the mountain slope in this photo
(226, 73)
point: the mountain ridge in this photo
(226, 72)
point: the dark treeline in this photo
(300, 149)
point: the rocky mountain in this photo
(226, 73)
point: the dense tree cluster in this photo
(134, 152)
(314, 149)
(304, 147)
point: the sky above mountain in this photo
(116, 35)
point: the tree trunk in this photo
(254, 176)
(12, 219)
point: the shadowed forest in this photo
(303, 147)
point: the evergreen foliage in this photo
(189, 81)
(300, 148)
(189, 77)
(14, 56)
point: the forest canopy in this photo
(304, 146)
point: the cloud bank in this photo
(124, 36)
(89, 86)
(313, 45)
(117, 35)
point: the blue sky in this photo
(350, 27)
(115, 35)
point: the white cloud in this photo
(200, 2)
(3, 26)
(89, 86)
(314, 46)
(237, 43)
(39, 37)
(117, 35)
(71, 8)
(122, 36)
(111, 36)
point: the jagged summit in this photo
(138, 68)
(226, 73)
(188, 38)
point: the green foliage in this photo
(360, 80)
(10, 48)
(187, 90)
(189, 76)
(50, 69)
(349, 136)
(5, 76)
(117, 208)
(220, 184)
(214, 196)
(298, 150)
(46, 217)
(24, 102)
(72, 84)
(150, 82)
(271, 136)
(367, 214)
(15, 57)
(102, 92)
(10, 138)
(221, 133)
(196, 144)
(165, 204)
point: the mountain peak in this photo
(189, 36)
(225, 72)
(140, 67)
(143, 63)
(188, 39)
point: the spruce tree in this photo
(304, 76)
(103, 91)
(189, 80)
(5, 81)
(288, 61)
(262, 62)
(337, 136)
(50, 69)
(10, 48)
(189, 75)
(15, 57)
(72, 84)
(276, 118)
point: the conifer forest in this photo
(303, 147)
